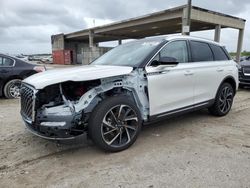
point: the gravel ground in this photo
(194, 150)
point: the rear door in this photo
(208, 72)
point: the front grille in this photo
(246, 70)
(27, 102)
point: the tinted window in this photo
(219, 53)
(201, 51)
(176, 49)
(6, 62)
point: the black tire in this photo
(241, 86)
(115, 117)
(12, 89)
(223, 101)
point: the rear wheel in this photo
(12, 89)
(115, 124)
(223, 101)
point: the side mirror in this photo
(165, 61)
(168, 61)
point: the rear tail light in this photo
(39, 68)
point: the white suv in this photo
(133, 84)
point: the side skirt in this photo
(180, 111)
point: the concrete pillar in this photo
(91, 38)
(217, 33)
(186, 21)
(119, 41)
(240, 44)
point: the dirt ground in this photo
(194, 150)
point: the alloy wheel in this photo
(119, 126)
(14, 89)
(225, 99)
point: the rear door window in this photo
(201, 51)
(219, 53)
(6, 62)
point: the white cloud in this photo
(26, 25)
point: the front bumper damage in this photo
(55, 126)
(51, 121)
(64, 121)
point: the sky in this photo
(27, 25)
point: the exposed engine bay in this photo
(57, 102)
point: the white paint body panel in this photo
(207, 79)
(170, 88)
(186, 84)
(80, 73)
(209, 75)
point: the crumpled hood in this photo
(80, 73)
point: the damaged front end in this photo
(62, 110)
(51, 112)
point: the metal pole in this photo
(240, 43)
(189, 15)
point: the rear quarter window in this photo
(201, 51)
(219, 53)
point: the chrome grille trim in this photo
(28, 101)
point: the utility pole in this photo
(186, 19)
(189, 15)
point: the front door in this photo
(171, 88)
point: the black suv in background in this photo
(244, 72)
(12, 72)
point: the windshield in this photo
(129, 54)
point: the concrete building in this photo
(82, 46)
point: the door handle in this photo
(164, 71)
(188, 73)
(220, 69)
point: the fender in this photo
(134, 82)
(229, 79)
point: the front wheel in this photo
(223, 101)
(115, 124)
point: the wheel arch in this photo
(117, 91)
(231, 81)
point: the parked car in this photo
(133, 84)
(47, 60)
(12, 71)
(243, 58)
(244, 72)
(23, 58)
